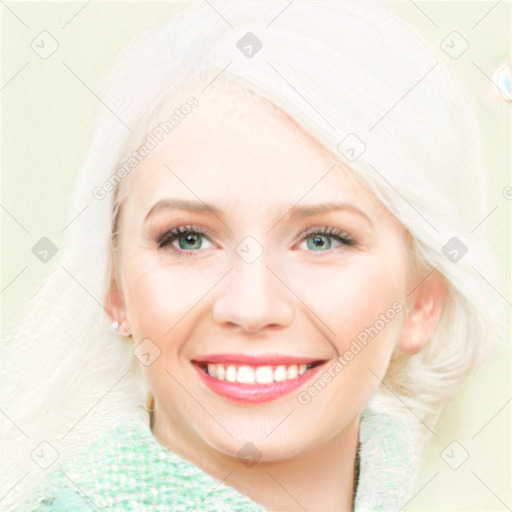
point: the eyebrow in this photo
(293, 213)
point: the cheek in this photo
(362, 302)
(363, 305)
(149, 300)
(160, 298)
(160, 304)
(351, 296)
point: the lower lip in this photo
(255, 393)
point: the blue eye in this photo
(321, 239)
(188, 238)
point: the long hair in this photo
(364, 84)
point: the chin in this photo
(255, 443)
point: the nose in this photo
(251, 298)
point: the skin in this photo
(253, 163)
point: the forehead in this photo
(236, 146)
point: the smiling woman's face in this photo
(269, 281)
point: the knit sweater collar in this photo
(125, 468)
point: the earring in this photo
(114, 327)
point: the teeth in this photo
(264, 375)
(245, 375)
(280, 373)
(260, 374)
(230, 373)
(212, 370)
(292, 372)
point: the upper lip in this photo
(256, 360)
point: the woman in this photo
(278, 240)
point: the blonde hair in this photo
(83, 378)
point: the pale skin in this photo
(307, 297)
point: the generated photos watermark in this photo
(152, 140)
(356, 346)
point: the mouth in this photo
(254, 379)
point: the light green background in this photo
(47, 115)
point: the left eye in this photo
(322, 239)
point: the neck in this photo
(320, 479)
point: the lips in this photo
(254, 379)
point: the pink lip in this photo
(255, 393)
(261, 360)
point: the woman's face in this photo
(246, 252)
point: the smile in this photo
(250, 382)
(259, 374)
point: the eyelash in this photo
(341, 236)
(169, 236)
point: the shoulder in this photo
(127, 469)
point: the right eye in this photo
(183, 239)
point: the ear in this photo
(114, 305)
(424, 309)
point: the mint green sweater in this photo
(127, 470)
